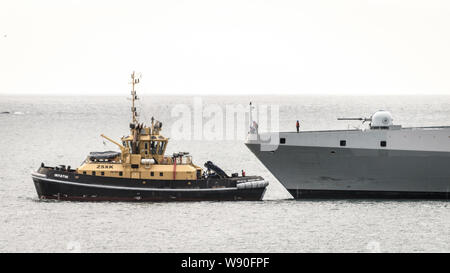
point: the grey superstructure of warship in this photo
(381, 161)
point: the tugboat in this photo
(142, 172)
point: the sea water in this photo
(63, 130)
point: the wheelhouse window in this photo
(161, 147)
(343, 143)
(282, 140)
(153, 145)
(129, 146)
(383, 143)
(145, 147)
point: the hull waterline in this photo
(133, 190)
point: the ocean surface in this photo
(63, 130)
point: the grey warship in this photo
(382, 160)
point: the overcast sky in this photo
(225, 47)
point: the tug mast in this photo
(134, 81)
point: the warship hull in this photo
(332, 172)
(71, 186)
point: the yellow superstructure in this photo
(142, 154)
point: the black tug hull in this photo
(63, 185)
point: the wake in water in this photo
(13, 113)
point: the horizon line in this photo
(220, 95)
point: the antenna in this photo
(135, 78)
(251, 114)
(253, 124)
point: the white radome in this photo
(381, 118)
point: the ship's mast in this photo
(251, 117)
(134, 81)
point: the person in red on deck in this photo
(243, 173)
(297, 124)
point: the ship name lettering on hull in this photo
(104, 166)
